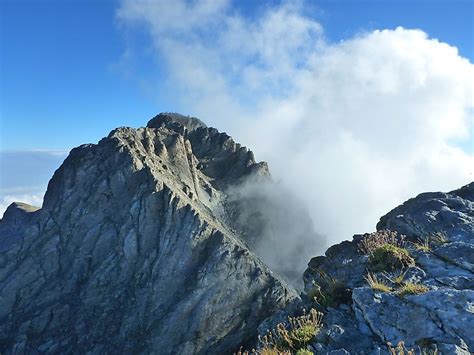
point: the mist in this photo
(276, 225)
(352, 128)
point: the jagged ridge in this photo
(131, 251)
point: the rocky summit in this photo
(132, 251)
(142, 245)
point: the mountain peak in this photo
(138, 229)
(174, 120)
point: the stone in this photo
(133, 251)
(16, 219)
(443, 316)
(433, 212)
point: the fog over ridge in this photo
(352, 128)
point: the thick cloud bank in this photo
(352, 128)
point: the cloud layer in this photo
(352, 128)
(24, 175)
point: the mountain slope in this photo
(133, 250)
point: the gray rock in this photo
(433, 212)
(175, 120)
(457, 282)
(453, 349)
(443, 316)
(342, 262)
(143, 246)
(132, 251)
(460, 253)
(341, 330)
(16, 219)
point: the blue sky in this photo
(356, 105)
(62, 83)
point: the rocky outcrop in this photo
(432, 212)
(134, 251)
(440, 238)
(16, 220)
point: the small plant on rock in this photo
(330, 292)
(440, 238)
(376, 284)
(301, 330)
(304, 352)
(423, 244)
(291, 338)
(400, 349)
(395, 277)
(378, 239)
(410, 288)
(389, 257)
(386, 251)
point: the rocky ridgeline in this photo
(131, 252)
(138, 248)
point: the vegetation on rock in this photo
(423, 244)
(400, 349)
(389, 257)
(410, 288)
(291, 338)
(330, 292)
(380, 238)
(304, 352)
(376, 284)
(386, 251)
(439, 238)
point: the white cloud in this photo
(354, 128)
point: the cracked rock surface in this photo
(441, 317)
(133, 250)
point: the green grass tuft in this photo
(423, 244)
(389, 257)
(376, 284)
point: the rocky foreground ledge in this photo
(137, 249)
(412, 281)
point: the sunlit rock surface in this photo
(133, 251)
(442, 317)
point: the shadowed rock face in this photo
(133, 250)
(16, 219)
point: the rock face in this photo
(145, 244)
(134, 250)
(441, 315)
(16, 219)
